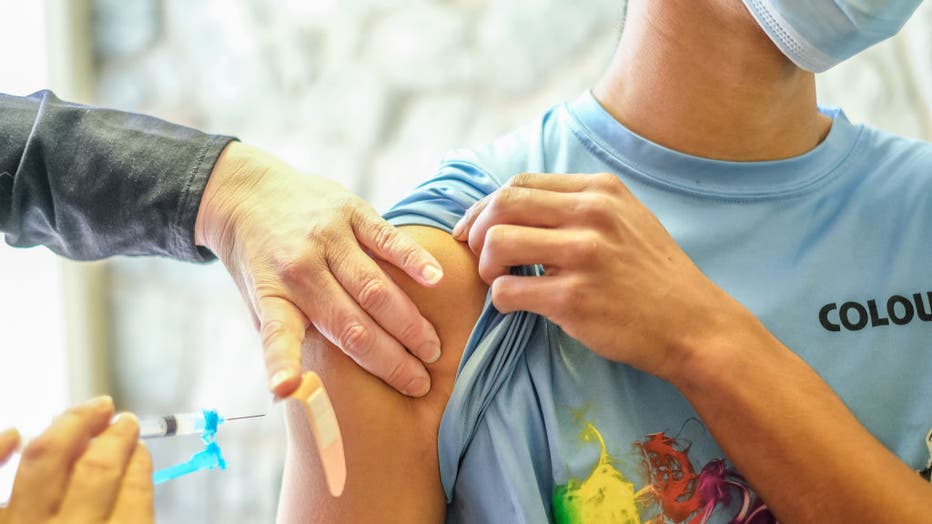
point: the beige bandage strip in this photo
(323, 421)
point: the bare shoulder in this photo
(390, 440)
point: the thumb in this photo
(9, 442)
(282, 327)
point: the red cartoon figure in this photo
(683, 494)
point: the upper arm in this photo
(390, 440)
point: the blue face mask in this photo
(818, 34)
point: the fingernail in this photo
(280, 378)
(127, 418)
(432, 274)
(432, 353)
(459, 227)
(101, 402)
(418, 387)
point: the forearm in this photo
(90, 183)
(791, 436)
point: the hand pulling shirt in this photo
(90, 183)
(831, 250)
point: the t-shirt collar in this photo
(630, 152)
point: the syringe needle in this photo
(244, 417)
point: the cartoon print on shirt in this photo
(673, 491)
(682, 493)
(604, 496)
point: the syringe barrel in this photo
(171, 425)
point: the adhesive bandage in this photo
(318, 410)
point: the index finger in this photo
(388, 244)
(560, 183)
(521, 206)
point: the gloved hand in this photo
(298, 248)
(81, 469)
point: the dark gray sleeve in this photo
(89, 183)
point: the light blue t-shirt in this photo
(831, 250)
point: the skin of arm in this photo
(390, 439)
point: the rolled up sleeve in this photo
(89, 183)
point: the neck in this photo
(703, 79)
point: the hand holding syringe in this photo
(60, 473)
(310, 395)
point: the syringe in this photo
(182, 424)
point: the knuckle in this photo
(521, 180)
(596, 208)
(587, 205)
(143, 462)
(398, 376)
(271, 330)
(100, 468)
(509, 197)
(354, 340)
(606, 182)
(328, 241)
(486, 268)
(585, 247)
(142, 482)
(291, 269)
(498, 203)
(410, 257)
(320, 231)
(41, 447)
(495, 237)
(373, 294)
(411, 333)
(568, 297)
(140, 485)
(500, 294)
(508, 193)
(383, 236)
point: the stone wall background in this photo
(370, 93)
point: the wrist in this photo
(233, 174)
(716, 345)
